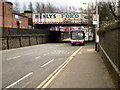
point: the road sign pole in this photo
(97, 29)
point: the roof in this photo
(9, 3)
(28, 12)
(15, 12)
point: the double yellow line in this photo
(49, 79)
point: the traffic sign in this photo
(95, 19)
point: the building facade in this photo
(11, 18)
(30, 21)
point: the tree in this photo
(81, 9)
(43, 8)
(4, 0)
(30, 7)
(61, 9)
(73, 8)
(16, 6)
(24, 7)
(113, 8)
(105, 12)
(50, 8)
(38, 8)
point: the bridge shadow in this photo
(63, 42)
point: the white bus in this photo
(77, 37)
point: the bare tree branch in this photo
(38, 8)
(30, 7)
(43, 8)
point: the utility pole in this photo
(88, 20)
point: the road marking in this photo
(47, 63)
(14, 57)
(8, 50)
(19, 80)
(37, 57)
(79, 53)
(49, 79)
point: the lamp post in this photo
(88, 19)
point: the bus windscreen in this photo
(77, 35)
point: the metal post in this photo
(88, 19)
(97, 29)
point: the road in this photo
(27, 67)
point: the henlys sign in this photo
(95, 19)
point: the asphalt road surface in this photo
(27, 67)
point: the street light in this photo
(86, 4)
(88, 19)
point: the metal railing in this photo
(15, 31)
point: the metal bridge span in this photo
(37, 25)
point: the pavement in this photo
(85, 70)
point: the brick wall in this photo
(23, 24)
(16, 41)
(1, 14)
(9, 16)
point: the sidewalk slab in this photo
(86, 70)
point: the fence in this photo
(14, 31)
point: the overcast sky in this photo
(58, 3)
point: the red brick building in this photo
(10, 18)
